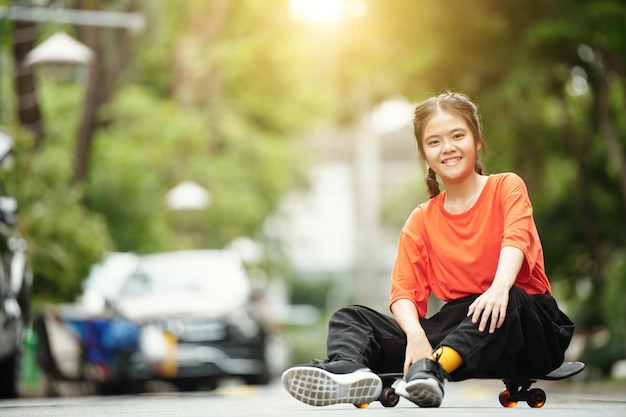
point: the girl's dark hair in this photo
(457, 104)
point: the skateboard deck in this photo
(515, 391)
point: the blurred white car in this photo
(184, 317)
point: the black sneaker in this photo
(332, 382)
(423, 384)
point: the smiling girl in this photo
(474, 246)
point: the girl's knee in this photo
(348, 312)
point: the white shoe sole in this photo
(423, 392)
(317, 387)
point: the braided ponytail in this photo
(432, 186)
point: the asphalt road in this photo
(469, 398)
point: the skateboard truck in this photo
(516, 392)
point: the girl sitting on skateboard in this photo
(476, 247)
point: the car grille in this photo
(196, 330)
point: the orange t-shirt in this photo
(456, 255)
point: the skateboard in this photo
(515, 391)
(519, 390)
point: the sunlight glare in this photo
(321, 11)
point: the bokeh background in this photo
(292, 119)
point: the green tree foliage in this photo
(165, 123)
(245, 170)
(581, 52)
(64, 237)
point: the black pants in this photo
(531, 342)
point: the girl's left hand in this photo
(490, 309)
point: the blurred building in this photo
(333, 230)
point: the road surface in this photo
(469, 398)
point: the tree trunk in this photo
(608, 131)
(100, 87)
(29, 114)
(93, 100)
(578, 146)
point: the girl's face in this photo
(450, 148)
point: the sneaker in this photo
(332, 382)
(423, 384)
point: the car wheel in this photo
(10, 376)
(260, 379)
(186, 386)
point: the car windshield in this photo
(192, 272)
(108, 277)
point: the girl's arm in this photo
(417, 345)
(491, 305)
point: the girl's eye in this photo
(457, 136)
(432, 142)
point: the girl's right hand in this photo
(417, 347)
